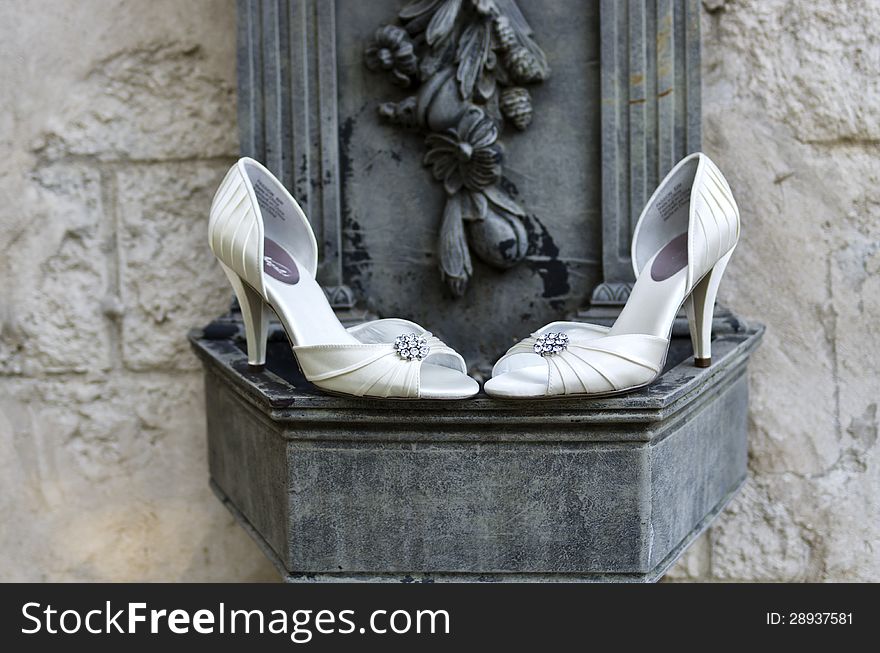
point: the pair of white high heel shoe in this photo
(682, 243)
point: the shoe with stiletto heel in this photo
(267, 249)
(682, 243)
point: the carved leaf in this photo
(473, 50)
(455, 259)
(417, 8)
(510, 9)
(480, 206)
(503, 201)
(485, 86)
(443, 21)
(433, 62)
(416, 28)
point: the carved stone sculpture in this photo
(467, 63)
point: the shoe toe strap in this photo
(373, 366)
(522, 354)
(360, 369)
(605, 364)
(384, 331)
(596, 365)
(444, 355)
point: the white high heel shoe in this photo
(267, 248)
(682, 243)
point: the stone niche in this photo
(570, 489)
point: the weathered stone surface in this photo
(150, 102)
(810, 66)
(791, 106)
(54, 272)
(112, 147)
(170, 280)
(105, 472)
(787, 291)
(759, 537)
(694, 564)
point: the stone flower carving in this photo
(392, 50)
(468, 155)
(469, 62)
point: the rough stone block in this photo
(694, 563)
(97, 483)
(169, 276)
(810, 63)
(153, 101)
(56, 269)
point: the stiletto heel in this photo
(255, 314)
(267, 248)
(700, 307)
(681, 245)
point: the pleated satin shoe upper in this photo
(237, 231)
(591, 362)
(375, 366)
(712, 224)
(267, 249)
(589, 359)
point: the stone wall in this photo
(118, 124)
(792, 115)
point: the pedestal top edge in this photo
(283, 401)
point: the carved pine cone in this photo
(516, 105)
(523, 66)
(504, 33)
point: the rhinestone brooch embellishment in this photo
(551, 343)
(411, 347)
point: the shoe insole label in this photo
(673, 201)
(271, 204)
(278, 264)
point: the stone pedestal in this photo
(569, 489)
